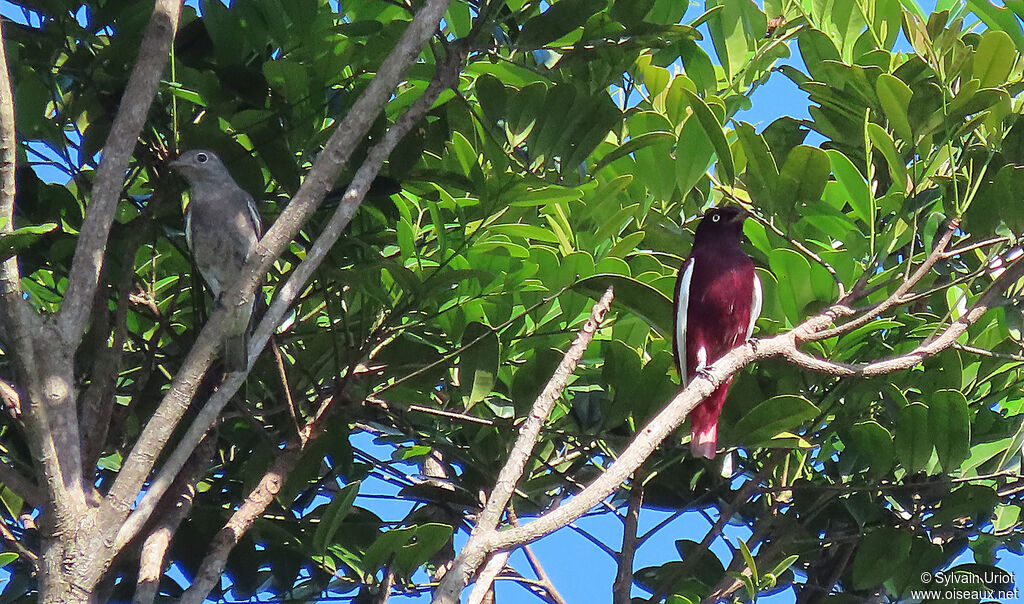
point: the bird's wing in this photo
(681, 307)
(188, 227)
(254, 216)
(755, 305)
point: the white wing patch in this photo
(755, 306)
(188, 228)
(682, 306)
(254, 215)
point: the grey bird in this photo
(222, 227)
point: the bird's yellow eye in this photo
(716, 217)
(202, 158)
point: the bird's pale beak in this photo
(177, 163)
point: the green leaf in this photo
(334, 516)
(526, 231)
(872, 444)
(749, 559)
(783, 413)
(713, 129)
(693, 154)
(884, 143)
(762, 173)
(478, 362)
(879, 556)
(994, 58)
(558, 20)
(426, 541)
(803, 177)
(796, 288)
(638, 298)
(19, 239)
(633, 144)
(491, 94)
(698, 66)
(949, 421)
(1000, 19)
(815, 48)
(290, 78)
(895, 97)
(913, 443)
(6, 558)
(857, 191)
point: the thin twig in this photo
(283, 376)
(622, 587)
(538, 568)
(803, 249)
(897, 295)
(16, 544)
(174, 510)
(704, 548)
(988, 353)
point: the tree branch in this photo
(622, 587)
(97, 401)
(485, 578)
(21, 485)
(672, 415)
(897, 295)
(10, 277)
(538, 569)
(50, 411)
(269, 486)
(106, 191)
(287, 294)
(475, 550)
(175, 509)
(346, 137)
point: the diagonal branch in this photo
(484, 588)
(530, 430)
(106, 191)
(173, 511)
(342, 142)
(476, 549)
(672, 415)
(269, 486)
(447, 74)
(725, 514)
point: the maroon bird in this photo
(717, 301)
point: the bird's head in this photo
(199, 165)
(721, 223)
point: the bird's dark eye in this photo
(202, 158)
(716, 217)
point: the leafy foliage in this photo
(582, 140)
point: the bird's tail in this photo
(704, 440)
(236, 342)
(704, 423)
(236, 352)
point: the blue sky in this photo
(581, 571)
